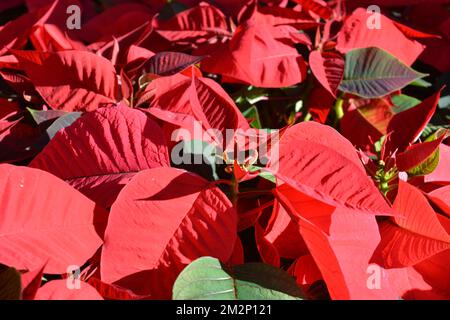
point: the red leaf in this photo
(283, 233)
(325, 166)
(407, 126)
(107, 148)
(366, 121)
(415, 234)
(9, 62)
(59, 290)
(17, 136)
(426, 280)
(434, 271)
(320, 102)
(197, 24)
(136, 53)
(314, 6)
(113, 292)
(14, 34)
(49, 37)
(20, 83)
(328, 68)
(340, 240)
(237, 257)
(79, 81)
(305, 270)
(116, 49)
(135, 59)
(169, 63)
(356, 34)
(255, 57)
(414, 34)
(277, 16)
(31, 281)
(268, 252)
(441, 198)
(42, 218)
(162, 220)
(181, 100)
(115, 22)
(441, 174)
(417, 154)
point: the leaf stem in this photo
(222, 181)
(338, 108)
(260, 208)
(307, 117)
(256, 193)
(234, 190)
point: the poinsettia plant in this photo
(241, 149)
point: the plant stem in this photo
(338, 111)
(255, 193)
(222, 181)
(234, 191)
(338, 108)
(307, 117)
(260, 208)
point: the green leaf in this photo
(50, 122)
(404, 102)
(379, 144)
(431, 129)
(207, 279)
(431, 162)
(10, 284)
(444, 102)
(252, 113)
(255, 94)
(268, 176)
(60, 123)
(443, 81)
(426, 167)
(421, 83)
(196, 156)
(263, 174)
(374, 73)
(249, 96)
(41, 116)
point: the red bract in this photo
(441, 198)
(114, 144)
(238, 149)
(340, 241)
(31, 281)
(256, 55)
(183, 100)
(407, 126)
(366, 121)
(9, 36)
(58, 290)
(357, 34)
(59, 229)
(328, 68)
(325, 166)
(417, 232)
(154, 223)
(79, 80)
(194, 25)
